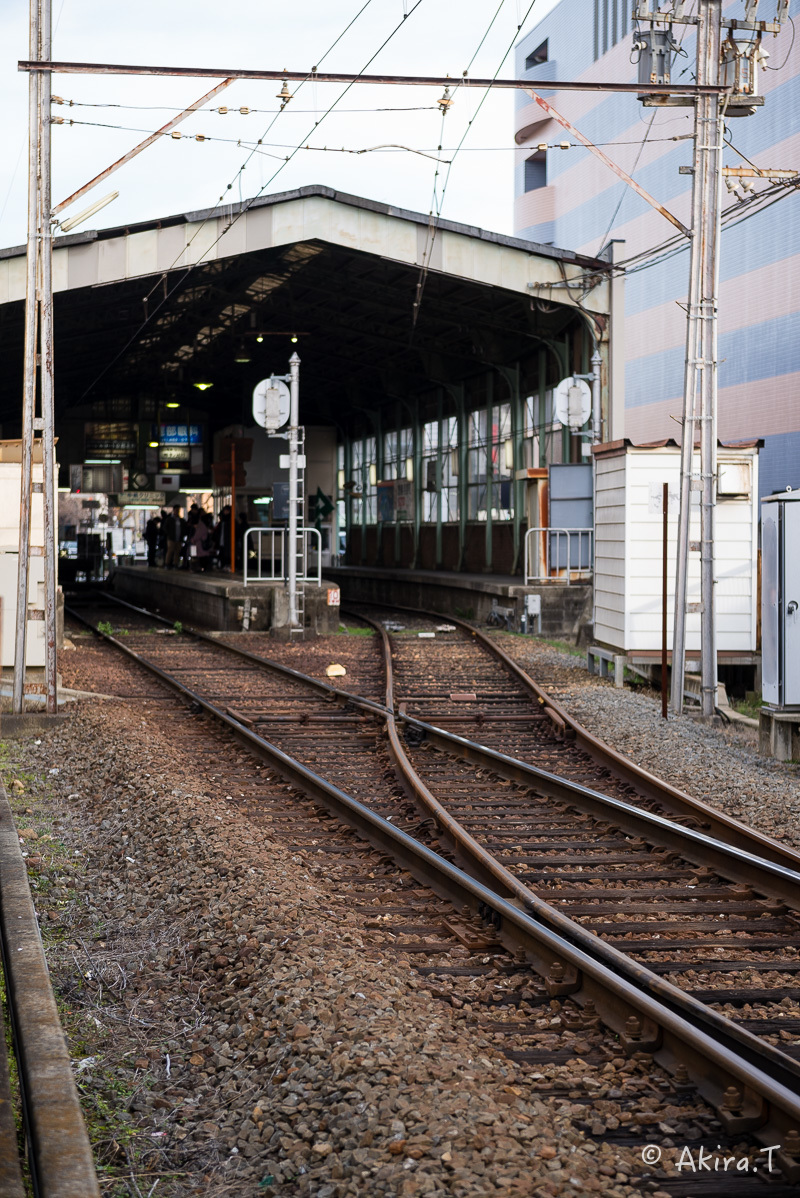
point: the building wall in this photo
(584, 205)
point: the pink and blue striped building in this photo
(567, 197)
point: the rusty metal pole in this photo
(29, 386)
(233, 506)
(664, 529)
(47, 440)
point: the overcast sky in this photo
(438, 37)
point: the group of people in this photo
(193, 543)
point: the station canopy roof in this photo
(151, 309)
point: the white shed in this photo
(629, 483)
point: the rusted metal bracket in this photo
(555, 115)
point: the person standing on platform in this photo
(152, 532)
(202, 542)
(175, 533)
(241, 528)
(222, 538)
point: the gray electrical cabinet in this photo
(780, 600)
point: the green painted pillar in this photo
(416, 455)
(441, 449)
(487, 565)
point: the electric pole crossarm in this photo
(577, 85)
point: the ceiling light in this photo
(203, 386)
(294, 338)
(172, 405)
(260, 338)
(153, 444)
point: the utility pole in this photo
(700, 380)
(732, 65)
(38, 373)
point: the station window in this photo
(398, 447)
(538, 56)
(536, 171)
(544, 436)
(490, 464)
(364, 498)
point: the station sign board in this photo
(104, 440)
(151, 498)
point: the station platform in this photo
(566, 610)
(221, 602)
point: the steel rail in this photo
(719, 1062)
(724, 827)
(489, 869)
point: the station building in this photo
(568, 197)
(426, 392)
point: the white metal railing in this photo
(558, 554)
(269, 560)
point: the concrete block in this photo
(27, 724)
(779, 734)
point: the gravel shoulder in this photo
(720, 765)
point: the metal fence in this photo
(558, 554)
(266, 555)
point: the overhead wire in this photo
(243, 109)
(243, 208)
(247, 143)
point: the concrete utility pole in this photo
(700, 380)
(38, 367)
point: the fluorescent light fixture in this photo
(373, 474)
(203, 386)
(172, 405)
(410, 469)
(340, 480)
(65, 490)
(509, 454)
(103, 462)
(153, 444)
(80, 217)
(263, 500)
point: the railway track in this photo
(678, 938)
